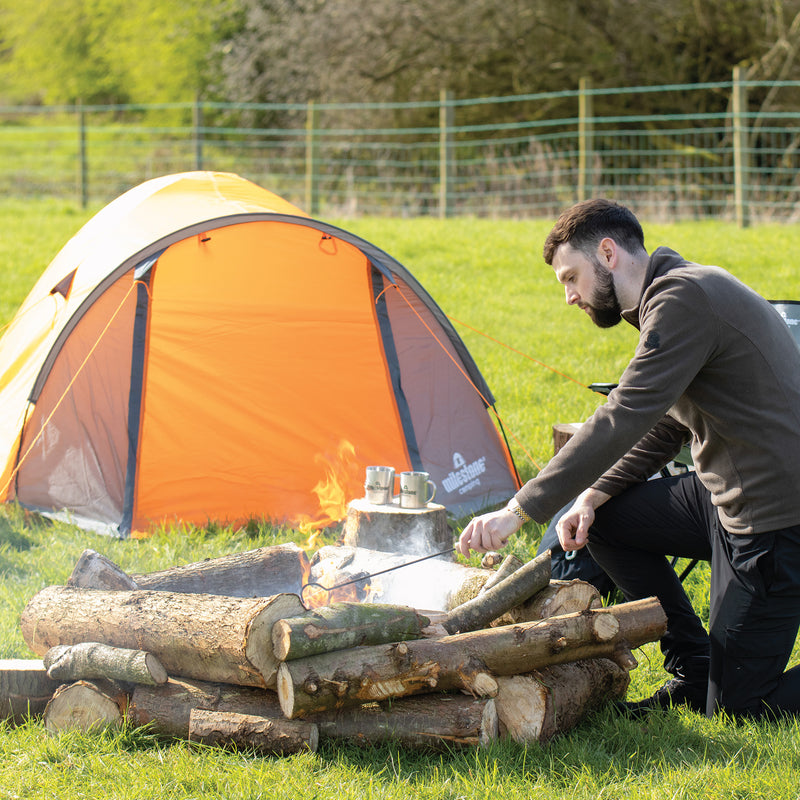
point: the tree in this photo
(107, 51)
(381, 50)
(59, 50)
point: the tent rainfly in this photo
(202, 350)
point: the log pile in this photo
(519, 655)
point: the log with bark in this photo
(537, 706)
(166, 708)
(344, 625)
(264, 572)
(211, 637)
(95, 571)
(467, 660)
(262, 735)
(89, 660)
(518, 587)
(412, 531)
(430, 721)
(86, 705)
(507, 568)
(25, 688)
(559, 597)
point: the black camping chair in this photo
(790, 311)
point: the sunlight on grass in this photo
(486, 275)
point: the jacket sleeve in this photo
(654, 450)
(677, 339)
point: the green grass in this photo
(490, 276)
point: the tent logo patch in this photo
(464, 476)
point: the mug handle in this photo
(433, 493)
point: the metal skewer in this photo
(374, 574)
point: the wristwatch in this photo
(517, 509)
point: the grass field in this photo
(490, 276)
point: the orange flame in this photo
(326, 589)
(334, 491)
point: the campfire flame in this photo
(324, 590)
(334, 491)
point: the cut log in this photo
(211, 637)
(436, 584)
(263, 735)
(433, 721)
(430, 721)
(560, 597)
(542, 704)
(464, 661)
(89, 660)
(86, 705)
(166, 708)
(264, 572)
(343, 625)
(411, 531)
(491, 559)
(509, 566)
(25, 688)
(562, 433)
(94, 571)
(515, 589)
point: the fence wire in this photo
(366, 159)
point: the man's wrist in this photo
(515, 508)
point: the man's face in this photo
(588, 284)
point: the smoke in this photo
(425, 585)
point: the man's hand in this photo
(573, 527)
(488, 532)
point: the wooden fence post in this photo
(312, 156)
(446, 152)
(741, 149)
(197, 125)
(83, 158)
(585, 139)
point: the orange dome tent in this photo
(203, 350)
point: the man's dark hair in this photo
(585, 224)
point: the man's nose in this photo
(571, 295)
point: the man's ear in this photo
(607, 252)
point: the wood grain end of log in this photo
(281, 639)
(285, 690)
(481, 684)
(491, 559)
(521, 707)
(624, 658)
(605, 626)
(156, 670)
(490, 724)
(258, 647)
(84, 705)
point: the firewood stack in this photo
(524, 656)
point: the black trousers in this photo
(754, 592)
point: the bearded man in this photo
(717, 367)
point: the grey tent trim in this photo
(380, 259)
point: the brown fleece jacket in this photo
(715, 365)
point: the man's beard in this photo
(604, 307)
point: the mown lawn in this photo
(487, 276)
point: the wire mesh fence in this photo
(738, 163)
